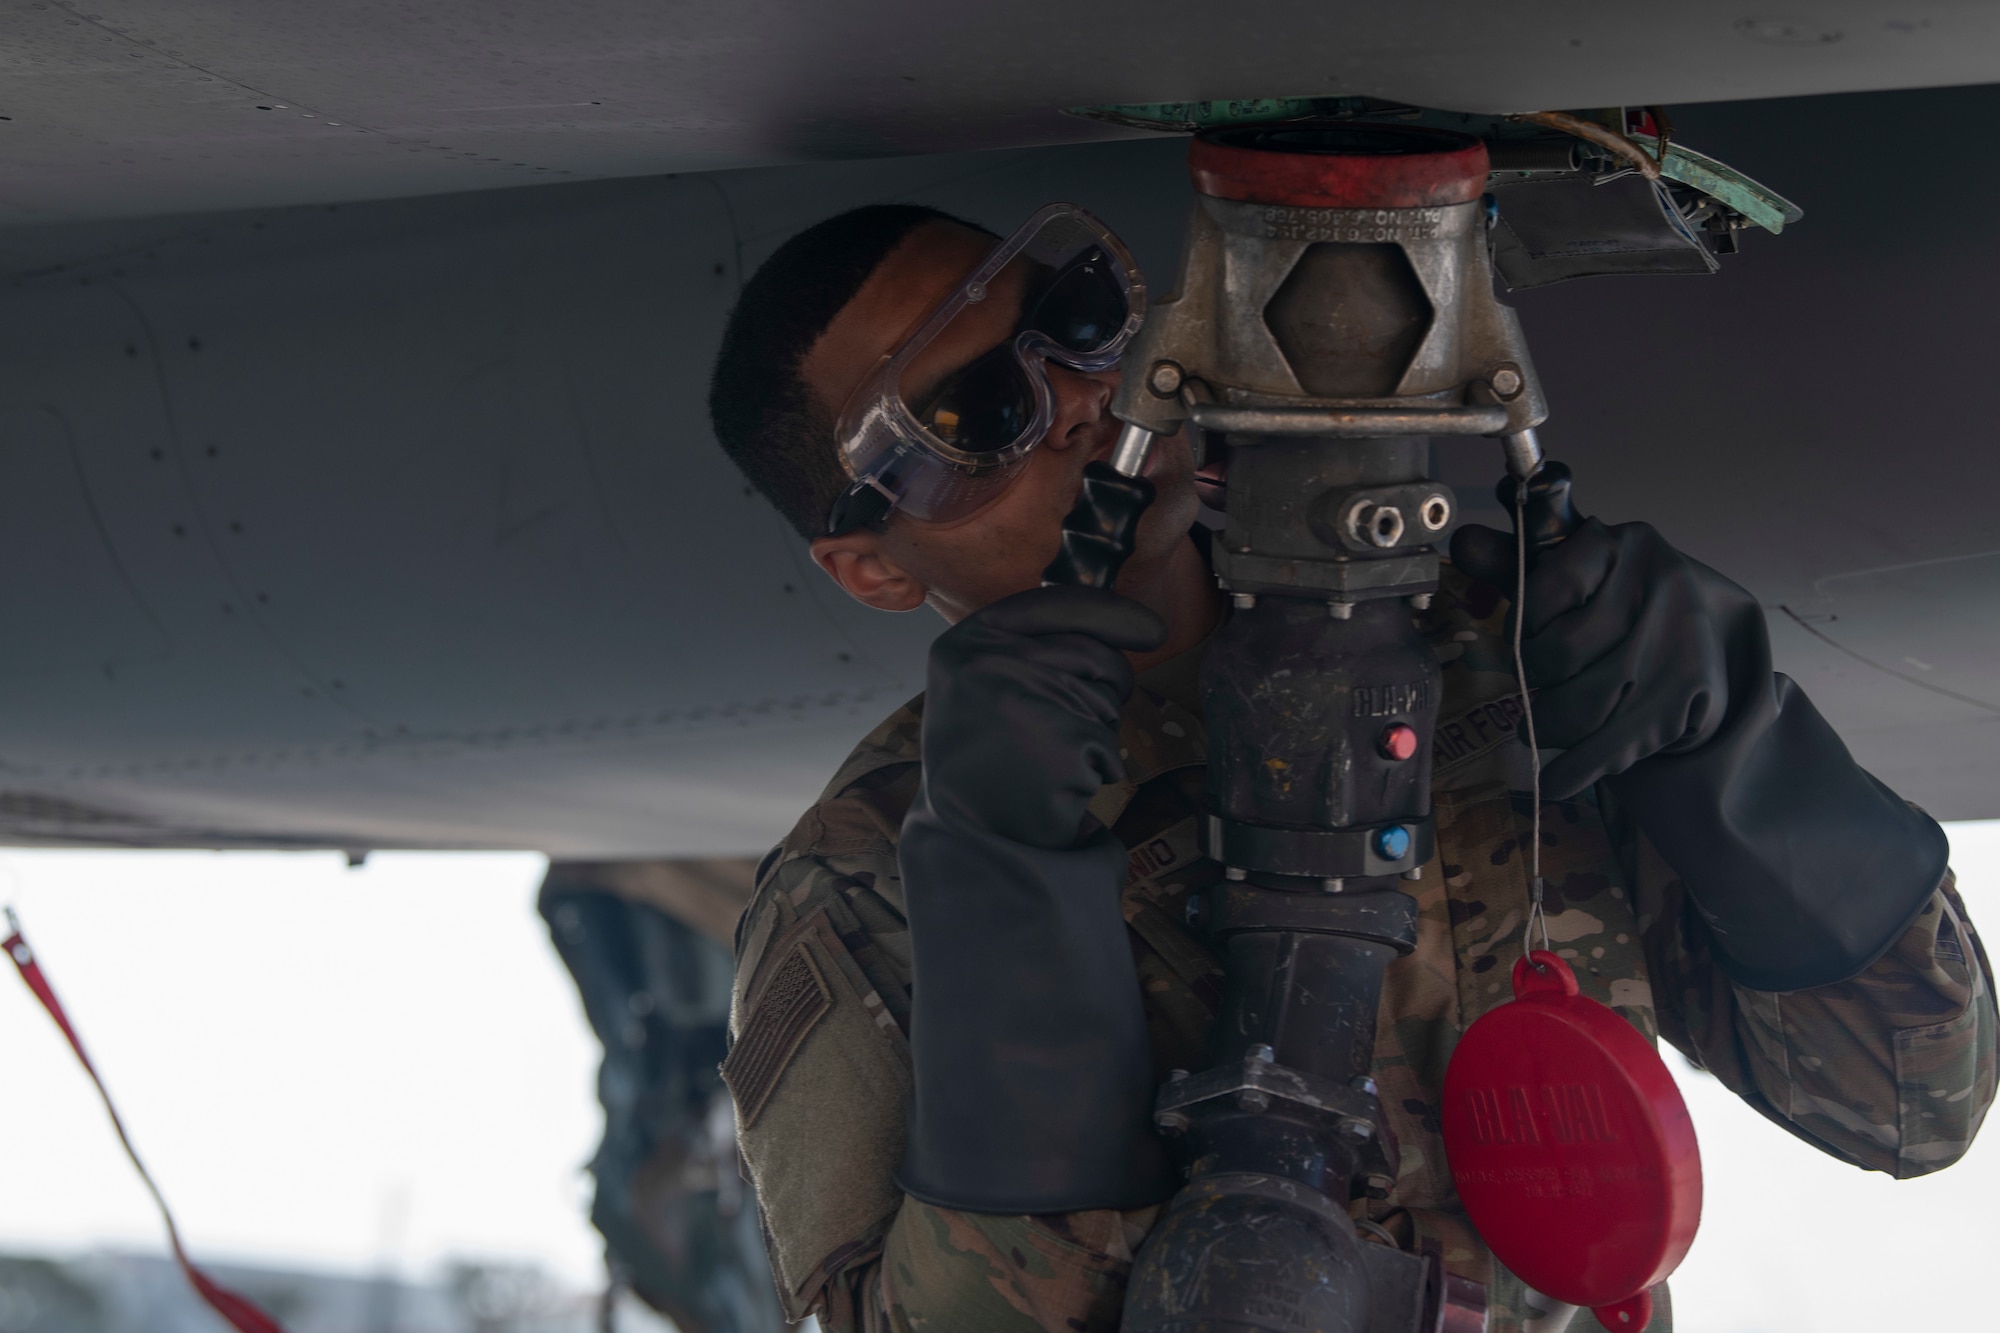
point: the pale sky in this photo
(334, 1067)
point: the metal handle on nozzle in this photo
(1099, 532)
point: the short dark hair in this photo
(765, 416)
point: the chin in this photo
(1166, 522)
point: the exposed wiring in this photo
(1665, 125)
(1642, 161)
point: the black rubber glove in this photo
(1034, 1081)
(1653, 672)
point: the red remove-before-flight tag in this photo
(1571, 1146)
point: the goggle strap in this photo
(864, 502)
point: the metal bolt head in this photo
(1243, 601)
(1235, 873)
(1378, 1187)
(1171, 1122)
(1414, 872)
(1356, 1131)
(1263, 1053)
(1335, 885)
(1362, 1083)
(1252, 1100)
(1420, 601)
(1165, 379)
(1340, 610)
(1176, 1075)
(1507, 382)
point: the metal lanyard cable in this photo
(1537, 916)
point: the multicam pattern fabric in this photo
(1892, 1071)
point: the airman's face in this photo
(1001, 549)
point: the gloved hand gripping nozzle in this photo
(1653, 676)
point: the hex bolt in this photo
(1262, 1053)
(1172, 1122)
(1362, 1083)
(1340, 610)
(1243, 601)
(1414, 872)
(1252, 1100)
(1356, 1131)
(1378, 1186)
(1507, 382)
(1165, 379)
(1335, 885)
(1420, 601)
(1236, 874)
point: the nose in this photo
(1083, 402)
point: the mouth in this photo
(1211, 479)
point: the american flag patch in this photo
(794, 1001)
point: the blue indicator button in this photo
(1392, 843)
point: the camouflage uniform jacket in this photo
(1892, 1071)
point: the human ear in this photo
(857, 562)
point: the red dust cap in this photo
(1571, 1147)
(1340, 166)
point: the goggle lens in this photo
(1083, 306)
(983, 406)
(986, 404)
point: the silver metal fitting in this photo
(1340, 610)
(1235, 874)
(1165, 378)
(1414, 872)
(1435, 513)
(1128, 456)
(1171, 1122)
(1420, 601)
(1260, 1051)
(1506, 382)
(1243, 601)
(1524, 453)
(1375, 525)
(1356, 1131)
(1252, 1100)
(1333, 885)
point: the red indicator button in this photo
(1398, 741)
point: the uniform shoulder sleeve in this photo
(818, 1066)
(1892, 1071)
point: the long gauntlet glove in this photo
(1033, 1069)
(1653, 673)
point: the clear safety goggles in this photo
(941, 443)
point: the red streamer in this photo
(243, 1316)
